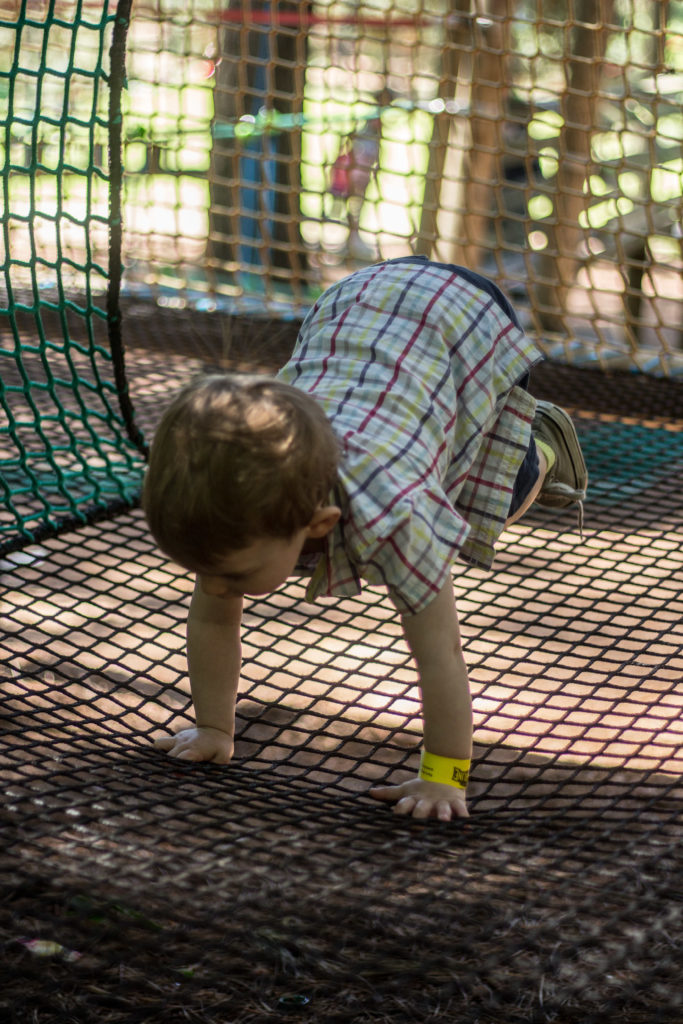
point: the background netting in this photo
(271, 147)
(275, 888)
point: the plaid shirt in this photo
(415, 365)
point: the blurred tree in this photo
(255, 183)
(465, 155)
(579, 107)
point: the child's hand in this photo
(421, 799)
(200, 744)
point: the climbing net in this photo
(66, 454)
(270, 148)
(135, 888)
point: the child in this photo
(352, 171)
(398, 437)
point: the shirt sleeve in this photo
(414, 560)
(408, 543)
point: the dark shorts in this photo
(526, 478)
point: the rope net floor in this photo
(135, 888)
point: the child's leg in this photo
(567, 477)
(519, 509)
(562, 475)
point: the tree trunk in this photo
(439, 221)
(255, 183)
(483, 162)
(464, 172)
(580, 102)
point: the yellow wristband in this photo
(444, 769)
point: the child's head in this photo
(236, 459)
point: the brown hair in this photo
(236, 458)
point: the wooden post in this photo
(444, 158)
(580, 102)
(248, 212)
(465, 151)
(483, 162)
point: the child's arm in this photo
(433, 636)
(214, 660)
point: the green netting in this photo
(66, 453)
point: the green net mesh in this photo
(65, 451)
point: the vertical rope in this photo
(117, 82)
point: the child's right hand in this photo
(421, 799)
(199, 744)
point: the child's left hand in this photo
(421, 799)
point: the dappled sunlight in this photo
(572, 669)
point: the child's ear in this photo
(324, 520)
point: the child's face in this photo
(259, 568)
